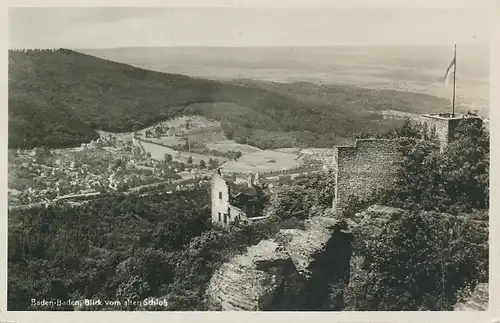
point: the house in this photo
(237, 204)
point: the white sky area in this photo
(244, 27)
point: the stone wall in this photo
(361, 169)
(372, 163)
(478, 300)
(444, 126)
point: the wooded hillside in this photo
(58, 98)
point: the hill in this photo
(48, 88)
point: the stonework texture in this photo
(361, 169)
(445, 127)
(372, 164)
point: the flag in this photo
(449, 72)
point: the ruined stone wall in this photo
(453, 125)
(444, 127)
(438, 128)
(361, 169)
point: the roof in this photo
(238, 189)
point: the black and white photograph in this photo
(248, 159)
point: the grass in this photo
(158, 152)
(262, 161)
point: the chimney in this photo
(249, 181)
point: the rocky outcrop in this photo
(280, 274)
(247, 282)
(316, 268)
(477, 301)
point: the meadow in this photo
(262, 161)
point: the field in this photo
(122, 136)
(228, 145)
(158, 152)
(209, 132)
(263, 161)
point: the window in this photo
(225, 218)
(219, 217)
(220, 195)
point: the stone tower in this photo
(442, 126)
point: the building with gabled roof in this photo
(237, 204)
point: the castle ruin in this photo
(442, 126)
(371, 164)
(359, 170)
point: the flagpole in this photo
(454, 79)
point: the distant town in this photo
(160, 157)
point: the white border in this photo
(492, 315)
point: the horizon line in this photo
(486, 44)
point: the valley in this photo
(116, 174)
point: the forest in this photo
(164, 246)
(60, 97)
(123, 248)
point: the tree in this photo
(289, 202)
(190, 160)
(158, 131)
(167, 157)
(202, 163)
(418, 261)
(118, 163)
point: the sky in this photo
(244, 27)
